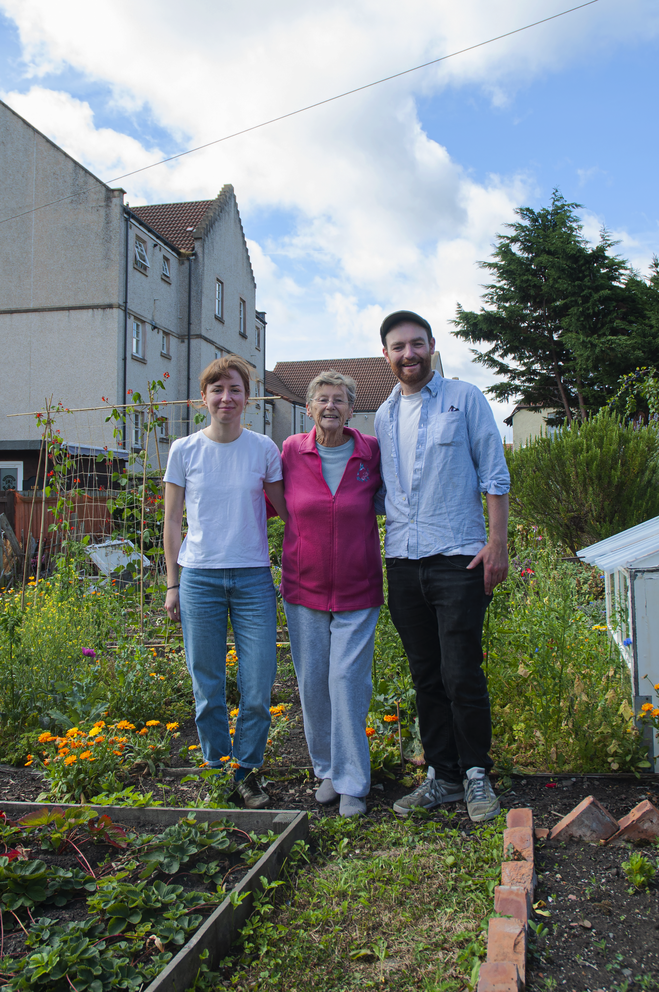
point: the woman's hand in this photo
(172, 605)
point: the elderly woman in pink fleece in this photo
(332, 586)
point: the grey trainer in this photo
(326, 793)
(482, 803)
(432, 792)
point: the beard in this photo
(410, 375)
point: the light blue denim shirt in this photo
(459, 455)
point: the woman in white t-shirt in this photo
(220, 474)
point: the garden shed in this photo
(630, 563)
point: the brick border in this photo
(504, 969)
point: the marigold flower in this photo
(232, 730)
(143, 731)
(194, 747)
(85, 754)
(162, 678)
(63, 750)
(390, 718)
(370, 731)
(647, 707)
(153, 723)
(125, 725)
(95, 730)
(73, 732)
(656, 688)
(655, 713)
(171, 726)
(236, 711)
(46, 736)
(72, 758)
(99, 723)
(117, 752)
(227, 757)
(99, 740)
(153, 675)
(234, 764)
(29, 761)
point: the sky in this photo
(386, 199)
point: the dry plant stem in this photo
(400, 735)
(19, 923)
(34, 496)
(43, 505)
(144, 464)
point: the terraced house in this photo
(97, 298)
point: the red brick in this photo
(498, 976)
(521, 839)
(589, 821)
(506, 941)
(541, 833)
(519, 873)
(512, 900)
(639, 826)
(520, 818)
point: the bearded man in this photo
(440, 449)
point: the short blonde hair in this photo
(333, 378)
(220, 369)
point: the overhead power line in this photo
(310, 106)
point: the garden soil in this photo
(600, 936)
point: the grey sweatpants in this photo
(333, 654)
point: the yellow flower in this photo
(73, 732)
(70, 760)
(96, 730)
(171, 726)
(162, 678)
(29, 761)
(647, 707)
(99, 740)
(153, 723)
(655, 713)
(235, 712)
(125, 725)
(656, 688)
(227, 757)
(99, 723)
(46, 736)
(195, 747)
(153, 675)
(143, 731)
(85, 754)
(232, 730)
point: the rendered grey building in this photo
(96, 298)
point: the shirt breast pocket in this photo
(448, 428)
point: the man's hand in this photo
(495, 553)
(495, 562)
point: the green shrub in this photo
(587, 481)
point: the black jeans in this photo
(438, 608)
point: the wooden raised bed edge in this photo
(217, 933)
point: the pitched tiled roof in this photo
(175, 221)
(275, 386)
(374, 378)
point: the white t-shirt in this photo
(408, 428)
(224, 498)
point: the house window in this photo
(165, 348)
(258, 337)
(11, 476)
(138, 339)
(163, 429)
(301, 427)
(165, 267)
(219, 299)
(141, 257)
(242, 330)
(138, 423)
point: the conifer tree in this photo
(563, 319)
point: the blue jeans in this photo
(247, 595)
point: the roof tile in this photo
(373, 376)
(175, 221)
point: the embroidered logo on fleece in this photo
(362, 474)
(453, 409)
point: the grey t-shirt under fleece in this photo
(334, 461)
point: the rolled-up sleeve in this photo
(486, 446)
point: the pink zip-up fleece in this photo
(331, 555)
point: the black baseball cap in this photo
(402, 317)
